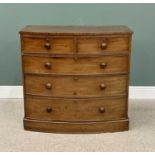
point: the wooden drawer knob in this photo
(74, 93)
(102, 86)
(47, 45)
(101, 109)
(76, 78)
(48, 65)
(49, 109)
(48, 86)
(103, 45)
(103, 65)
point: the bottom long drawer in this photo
(58, 109)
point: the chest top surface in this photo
(75, 30)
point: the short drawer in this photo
(75, 109)
(76, 86)
(100, 45)
(48, 45)
(83, 65)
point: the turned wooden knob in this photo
(76, 78)
(47, 45)
(74, 93)
(48, 65)
(103, 65)
(48, 86)
(102, 86)
(101, 109)
(103, 45)
(49, 109)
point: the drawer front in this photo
(52, 45)
(101, 45)
(96, 65)
(76, 86)
(75, 109)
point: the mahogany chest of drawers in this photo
(76, 78)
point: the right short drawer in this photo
(98, 45)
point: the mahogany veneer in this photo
(76, 78)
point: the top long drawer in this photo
(70, 65)
(69, 45)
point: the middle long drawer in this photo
(76, 86)
(71, 65)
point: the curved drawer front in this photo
(75, 109)
(67, 45)
(91, 65)
(76, 86)
(48, 45)
(100, 45)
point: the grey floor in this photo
(140, 137)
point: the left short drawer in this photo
(44, 44)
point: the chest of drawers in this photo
(76, 78)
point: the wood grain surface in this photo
(72, 86)
(76, 78)
(78, 65)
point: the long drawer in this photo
(80, 65)
(75, 109)
(76, 86)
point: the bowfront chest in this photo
(76, 78)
